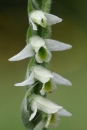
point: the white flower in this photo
(37, 47)
(41, 49)
(44, 105)
(42, 19)
(47, 78)
(52, 110)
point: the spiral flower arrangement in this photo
(38, 112)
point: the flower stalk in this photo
(38, 112)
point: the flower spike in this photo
(38, 112)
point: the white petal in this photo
(38, 59)
(26, 52)
(54, 45)
(28, 81)
(37, 16)
(42, 74)
(36, 42)
(48, 58)
(60, 80)
(33, 25)
(52, 19)
(34, 109)
(63, 112)
(46, 105)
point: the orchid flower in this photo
(36, 46)
(41, 49)
(37, 17)
(47, 78)
(51, 109)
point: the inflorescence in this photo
(37, 111)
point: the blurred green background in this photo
(71, 64)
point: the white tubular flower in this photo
(37, 47)
(44, 105)
(42, 53)
(52, 110)
(41, 49)
(39, 73)
(42, 19)
(47, 78)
